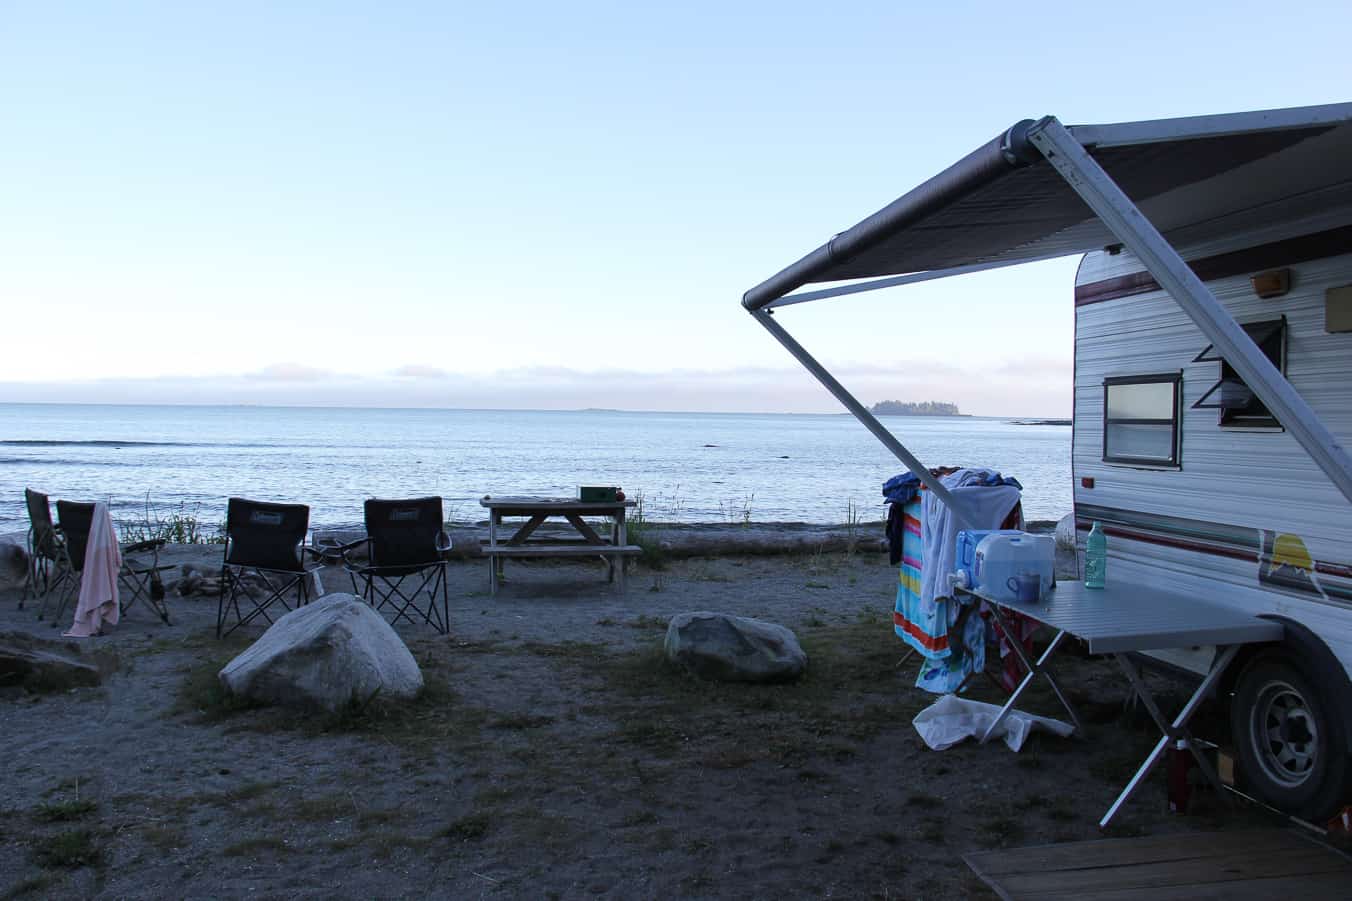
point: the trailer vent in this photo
(1237, 403)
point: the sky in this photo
(554, 206)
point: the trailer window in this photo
(1238, 405)
(1140, 419)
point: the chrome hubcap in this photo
(1285, 734)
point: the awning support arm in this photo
(1080, 170)
(898, 280)
(861, 413)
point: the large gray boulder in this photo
(328, 654)
(13, 561)
(38, 665)
(725, 648)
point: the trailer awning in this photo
(1042, 190)
(1004, 203)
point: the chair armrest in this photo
(352, 546)
(443, 542)
(334, 554)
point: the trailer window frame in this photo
(1175, 422)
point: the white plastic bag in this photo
(951, 719)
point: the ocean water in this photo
(689, 467)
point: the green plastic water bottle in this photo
(1095, 558)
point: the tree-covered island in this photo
(907, 408)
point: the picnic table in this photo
(1123, 620)
(584, 541)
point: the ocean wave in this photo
(42, 442)
(49, 461)
(103, 442)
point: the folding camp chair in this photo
(405, 540)
(263, 542)
(138, 577)
(46, 550)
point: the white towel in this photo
(951, 719)
(98, 583)
(986, 508)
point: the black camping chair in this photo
(263, 542)
(139, 575)
(404, 540)
(47, 560)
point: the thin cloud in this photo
(1032, 388)
(290, 372)
(420, 371)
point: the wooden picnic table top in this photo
(505, 504)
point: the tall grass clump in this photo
(642, 532)
(181, 526)
(737, 512)
(852, 530)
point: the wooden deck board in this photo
(1249, 864)
(1155, 848)
(1307, 888)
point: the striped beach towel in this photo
(926, 630)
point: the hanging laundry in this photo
(985, 497)
(918, 627)
(98, 601)
(967, 653)
(950, 637)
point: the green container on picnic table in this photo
(596, 493)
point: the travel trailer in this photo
(1212, 379)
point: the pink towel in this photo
(98, 583)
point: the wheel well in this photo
(1309, 653)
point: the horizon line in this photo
(322, 406)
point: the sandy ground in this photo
(554, 755)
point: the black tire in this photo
(1292, 747)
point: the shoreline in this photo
(734, 537)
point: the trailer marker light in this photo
(1273, 283)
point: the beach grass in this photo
(64, 811)
(179, 526)
(641, 531)
(70, 849)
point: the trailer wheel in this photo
(1291, 745)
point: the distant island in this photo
(907, 408)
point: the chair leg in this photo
(141, 584)
(220, 603)
(231, 585)
(404, 603)
(61, 589)
(445, 601)
(72, 588)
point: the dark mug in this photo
(1027, 587)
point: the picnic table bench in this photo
(613, 549)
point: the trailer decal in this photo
(1282, 560)
(1287, 563)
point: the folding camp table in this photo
(1122, 619)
